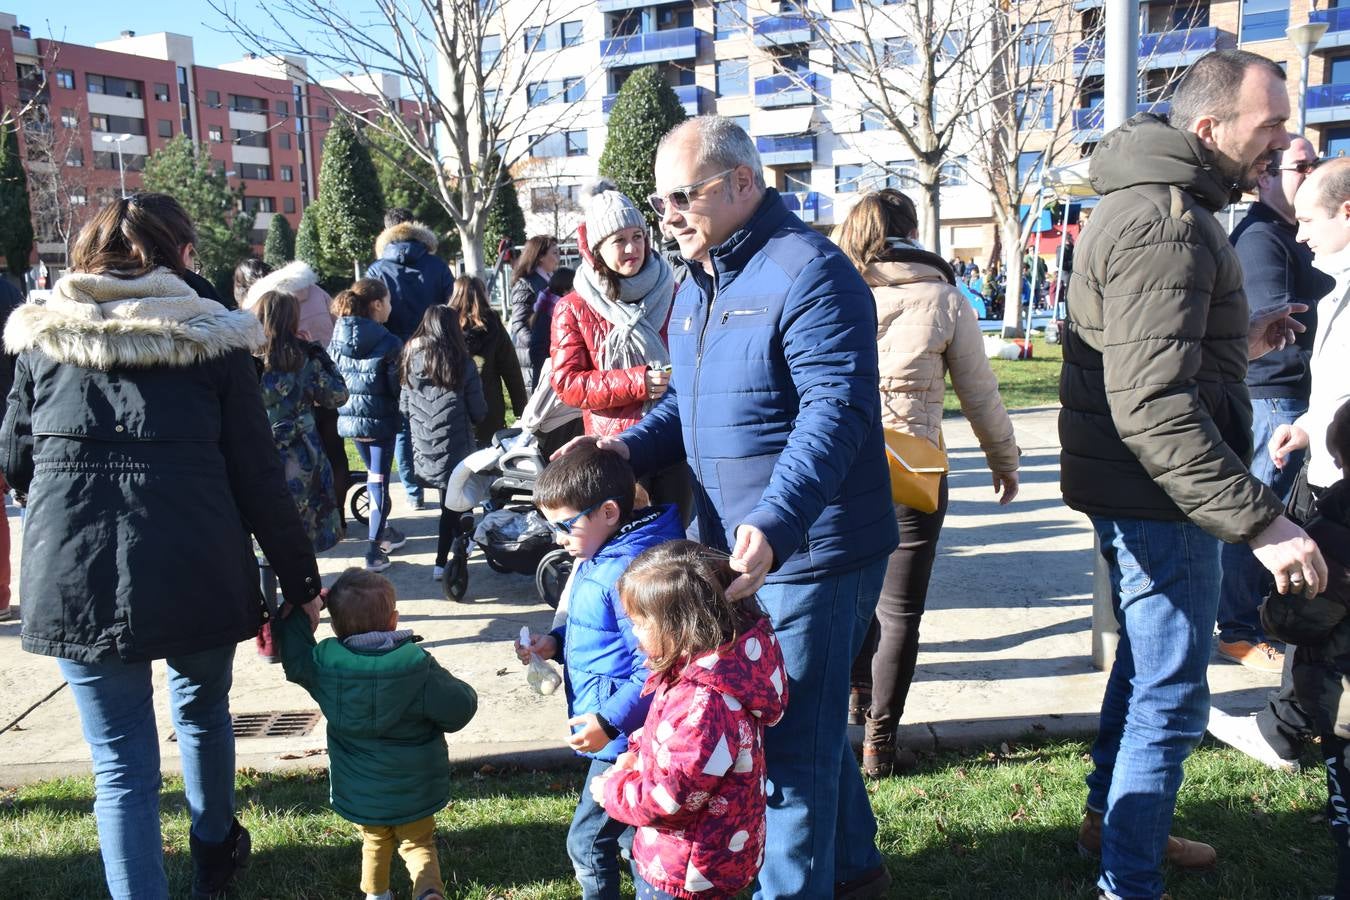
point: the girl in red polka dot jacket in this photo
(693, 780)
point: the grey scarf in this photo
(635, 318)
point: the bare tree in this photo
(467, 65)
(552, 192)
(59, 183)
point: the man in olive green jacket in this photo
(1156, 437)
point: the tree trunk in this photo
(928, 204)
(1012, 266)
(471, 245)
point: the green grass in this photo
(998, 824)
(1023, 383)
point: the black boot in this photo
(215, 865)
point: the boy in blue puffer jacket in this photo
(587, 496)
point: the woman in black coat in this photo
(134, 430)
(487, 339)
(538, 261)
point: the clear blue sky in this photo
(90, 21)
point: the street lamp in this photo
(121, 172)
(1304, 38)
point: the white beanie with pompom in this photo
(607, 211)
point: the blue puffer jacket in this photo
(416, 277)
(367, 356)
(603, 666)
(775, 388)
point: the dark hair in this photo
(361, 601)
(535, 247)
(247, 272)
(397, 215)
(469, 299)
(680, 589)
(561, 282)
(282, 350)
(440, 342)
(360, 298)
(1210, 86)
(882, 214)
(1338, 435)
(584, 478)
(611, 280)
(134, 236)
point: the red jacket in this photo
(696, 791)
(610, 400)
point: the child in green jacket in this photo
(388, 705)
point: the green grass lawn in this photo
(996, 824)
(1023, 383)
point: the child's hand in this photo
(590, 738)
(545, 646)
(598, 787)
(626, 760)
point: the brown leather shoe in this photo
(1193, 856)
(1254, 655)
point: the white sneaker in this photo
(1242, 733)
(437, 573)
(387, 895)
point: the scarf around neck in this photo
(635, 318)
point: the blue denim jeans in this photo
(117, 714)
(594, 841)
(403, 456)
(820, 823)
(1165, 590)
(378, 458)
(1245, 581)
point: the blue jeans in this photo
(1165, 591)
(403, 454)
(1245, 581)
(117, 714)
(378, 457)
(820, 823)
(594, 841)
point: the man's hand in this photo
(310, 609)
(1292, 557)
(1286, 440)
(1005, 485)
(590, 737)
(545, 646)
(1273, 329)
(753, 557)
(613, 445)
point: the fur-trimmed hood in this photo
(420, 237)
(103, 322)
(293, 278)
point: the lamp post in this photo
(1304, 38)
(121, 171)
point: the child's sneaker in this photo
(377, 560)
(437, 573)
(6, 614)
(393, 539)
(267, 648)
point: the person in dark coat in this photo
(499, 367)
(442, 399)
(10, 300)
(416, 279)
(530, 275)
(134, 429)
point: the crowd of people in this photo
(746, 583)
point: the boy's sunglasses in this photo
(682, 197)
(566, 525)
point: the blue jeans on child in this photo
(594, 841)
(115, 703)
(378, 457)
(820, 823)
(1165, 590)
(1245, 581)
(403, 455)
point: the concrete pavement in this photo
(1005, 647)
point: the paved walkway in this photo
(1005, 648)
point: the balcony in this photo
(788, 150)
(648, 47)
(1338, 27)
(608, 6)
(1166, 50)
(780, 31)
(806, 204)
(1087, 123)
(691, 96)
(1328, 102)
(790, 89)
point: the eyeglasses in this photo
(682, 197)
(1303, 168)
(566, 525)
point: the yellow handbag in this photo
(917, 468)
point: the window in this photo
(571, 34)
(65, 78)
(113, 87)
(1034, 108)
(536, 94)
(902, 174)
(729, 18)
(733, 77)
(536, 39)
(576, 143)
(287, 173)
(1037, 44)
(164, 127)
(247, 104)
(288, 204)
(75, 157)
(1029, 168)
(283, 109)
(283, 141)
(68, 119)
(213, 99)
(742, 122)
(117, 124)
(668, 18)
(953, 174)
(213, 134)
(259, 204)
(253, 172)
(107, 159)
(1337, 142)
(161, 92)
(492, 48)
(874, 120)
(952, 44)
(848, 178)
(1192, 14)
(797, 180)
(842, 5)
(1264, 20)
(899, 51)
(574, 90)
(78, 197)
(563, 197)
(325, 113)
(247, 138)
(851, 57)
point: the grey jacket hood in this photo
(1147, 150)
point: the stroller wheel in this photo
(360, 504)
(496, 565)
(551, 576)
(455, 581)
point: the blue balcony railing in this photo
(650, 47)
(1185, 40)
(768, 31)
(1088, 122)
(806, 204)
(1327, 96)
(779, 150)
(1337, 19)
(692, 97)
(790, 89)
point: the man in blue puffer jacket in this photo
(774, 402)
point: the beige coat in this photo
(926, 328)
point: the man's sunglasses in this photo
(1303, 168)
(566, 525)
(682, 197)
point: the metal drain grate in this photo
(294, 723)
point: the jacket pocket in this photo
(750, 316)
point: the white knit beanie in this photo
(607, 211)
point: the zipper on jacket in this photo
(741, 312)
(698, 371)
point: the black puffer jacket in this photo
(134, 428)
(523, 294)
(501, 371)
(1156, 420)
(442, 419)
(366, 355)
